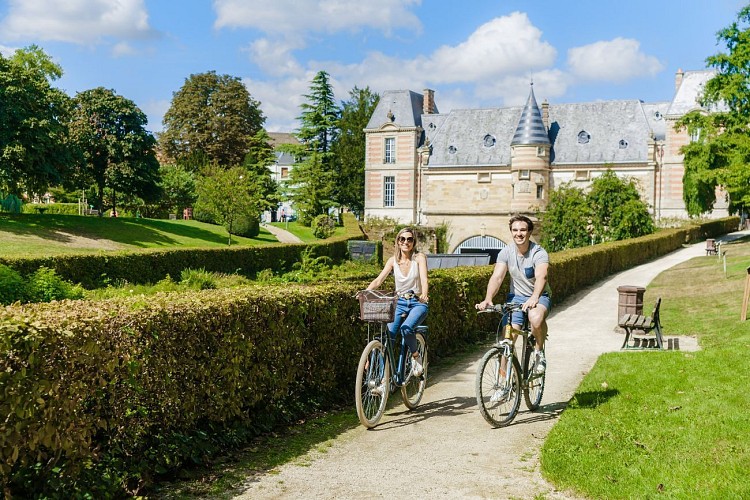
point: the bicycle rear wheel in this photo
(413, 387)
(498, 395)
(373, 384)
(534, 384)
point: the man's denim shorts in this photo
(517, 319)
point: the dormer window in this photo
(489, 141)
(623, 144)
(583, 137)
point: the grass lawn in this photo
(49, 234)
(304, 233)
(667, 424)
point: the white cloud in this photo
(290, 17)
(7, 51)
(615, 61)
(122, 49)
(76, 21)
(274, 57)
(505, 45)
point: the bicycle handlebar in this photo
(501, 308)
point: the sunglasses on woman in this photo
(408, 239)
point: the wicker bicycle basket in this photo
(376, 305)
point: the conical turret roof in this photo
(531, 129)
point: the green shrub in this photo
(45, 286)
(51, 208)
(12, 286)
(11, 204)
(248, 227)
(198, 279)
(323, 226)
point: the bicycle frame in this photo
(397, 374)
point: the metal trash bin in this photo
(631, 300)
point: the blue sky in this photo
(472, 53)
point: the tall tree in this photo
(312, 179)
(721, 154)
(34, 149)
(227, 196)
(606, 199)
(211, 116)
(566, 222)
(178, 186)
(349, 148)
(259, 158)
(118, 151)
(319, 116)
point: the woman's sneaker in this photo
(416, 366)
(500, 395)
(540, 364)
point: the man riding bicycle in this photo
(528, 264)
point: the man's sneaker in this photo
(500, 395)
(416, 366)
(540, 365)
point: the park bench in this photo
(637, 326)
(711, 246)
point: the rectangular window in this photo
(284, 172)
(539, 191)
(524, 174)
(389, 191)
(582, 175)
(695, 135)
(390, 150)
(484, 177)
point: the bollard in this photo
(745, 299)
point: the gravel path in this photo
(282, 235)
(444, 449)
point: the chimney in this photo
(545, 114)
(678, 79)
(428, 106)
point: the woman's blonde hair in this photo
(397, 253)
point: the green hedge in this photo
(99, 397)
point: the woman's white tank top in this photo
(410, 281)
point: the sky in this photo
(472, 53)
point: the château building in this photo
(473, 168)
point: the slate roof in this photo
(579, 133)
(596, 132)
(531, 129)
(405, 106)
(690, 90)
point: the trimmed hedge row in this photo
(100, 396)
(150, 266)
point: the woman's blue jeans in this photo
(415, 312)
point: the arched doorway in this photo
(481, 244)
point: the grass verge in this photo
(670, 424)
(34, 235)
(305, 233)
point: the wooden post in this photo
(745, 299)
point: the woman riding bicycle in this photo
(528, 264)
(410, 274)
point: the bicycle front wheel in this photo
(413, 387)
(498, 387)
(534, 384)
(373, 384)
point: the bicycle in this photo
(501, 377)
(375, 381)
